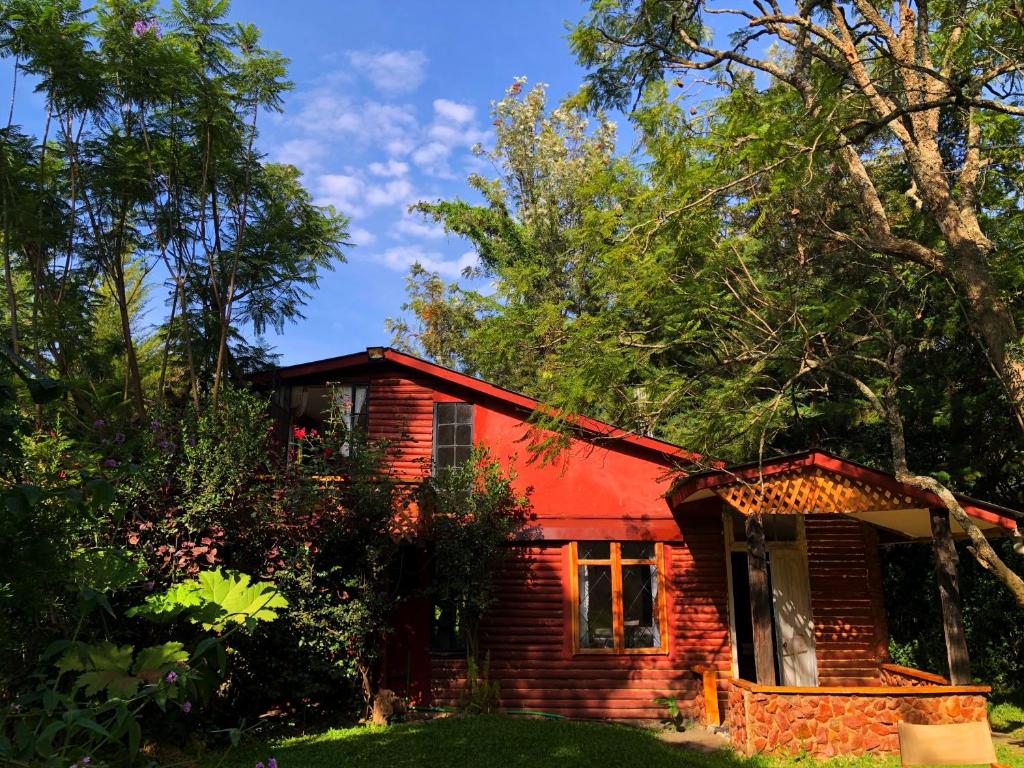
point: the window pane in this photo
(446, 457)
(445, 413)
(639, 606)
(359, 397)
(462, 454)
(361, 412)
(638, 550)
(595, 606)
(464, 413)
(464, 434)
(445, 434)
(594, 550)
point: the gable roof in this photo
(807, 462)
(386, 356)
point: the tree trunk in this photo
(760, 601)
(992, 322)
(12, 298)
(134, 377)
(167, 349)
(946, 562)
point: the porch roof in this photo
(817, 482)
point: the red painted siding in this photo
(402, 411)
(846, 597)
(591, 491)
(527, 635)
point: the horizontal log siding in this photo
(402, 412)
(527, 635)
(846, 600)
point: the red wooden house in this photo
(750, 591)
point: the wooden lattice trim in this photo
(801, 493)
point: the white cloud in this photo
(361, 236)
(303, 153)
(343, 191)
(413, 225)
(397, 191)
(391, 168)
(401, 257)
(453, 127)
(391, 71)
(453, 111)
(433, 158)
(332, 117)
(351, 195)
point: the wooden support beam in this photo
(760, 601)
(949, 597)
(709, 689)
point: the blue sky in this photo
(388, 100)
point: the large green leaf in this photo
(232, 597)
(104, 667)
(151, 663)
(167, 605)
(215, 599)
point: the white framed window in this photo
(453, 434)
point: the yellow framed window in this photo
(618, 597)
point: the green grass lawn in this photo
(1007, 715)
(506, 742)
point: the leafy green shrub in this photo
(472, 513)
(337, 564)
(480, 695)
(89, 697)
(674, 717)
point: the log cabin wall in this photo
(528, 636)
(846, 600)
(402, 412)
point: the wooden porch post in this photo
(760, 601)
(949, 596)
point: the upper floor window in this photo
(453, 434)
(313, 409)
(619, 596)
(351, 402)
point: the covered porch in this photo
(808, 668)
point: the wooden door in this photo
(794, 626)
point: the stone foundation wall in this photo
(827, 724)
(699, 710)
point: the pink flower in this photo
(186, 707)
(142, 26)
(171, 676)
(271, 763)
(299, 433)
